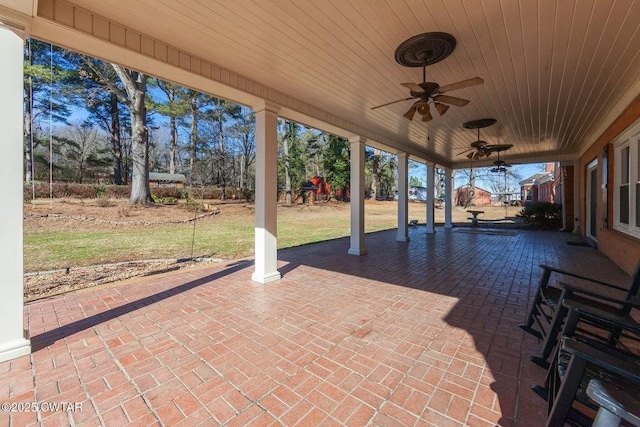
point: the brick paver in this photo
(418, 333)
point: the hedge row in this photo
(64, 190)
(92, 191)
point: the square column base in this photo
(402, 239)
(13, 349)
(266, 278)
(352, 251)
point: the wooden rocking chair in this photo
(594, 372)
(548, 313)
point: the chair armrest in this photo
(576, 275)
(627, 368)
(585, 310)
(570, 289)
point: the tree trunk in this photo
(81, 171)
(173, 130)
(193, 135)
(241, 183)
(471, 200)
(287, 165)
(28, 152)
(28, 114)
(116, 141)
(136, 86)
(221, 154)
(140, 191)
(375, 174)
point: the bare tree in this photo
(83, 144)
(177, 105)
(243, 133)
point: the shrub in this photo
(543, 214)
(92, 191)
(162, 192)
(211, 193)
(192, 205)
(101, 190)
(118, 191)
(59, 190)
(104, 202)
(166, 200)
(124, 211)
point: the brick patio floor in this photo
(418, 333)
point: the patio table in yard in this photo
(475, 213)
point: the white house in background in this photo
(417, 194)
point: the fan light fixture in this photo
(420, 51)
(426, 116)
(441, 108)
(409, 114)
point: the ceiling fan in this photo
(500, 165)
(480, 148)
(420, 51)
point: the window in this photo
(627, 182)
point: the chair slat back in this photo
(632, 295)
(635, 282)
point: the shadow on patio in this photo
(418, 333)
(478, 282)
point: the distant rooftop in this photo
(535, 177)
(167, 177)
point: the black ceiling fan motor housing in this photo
(425, 49)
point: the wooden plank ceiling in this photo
(556, 72)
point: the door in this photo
(592, 199)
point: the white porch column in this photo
(357, 196)
(14, 340)
(448, 197)
(431, 183)
(266, 242)
(403, 197)
(576, 197)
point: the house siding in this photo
(622, 249)
(482, 197)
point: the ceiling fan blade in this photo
(498, 147)
(441, 108)
(392, 102)
(414, 87)
(465, 151)
(411, 112)
(458, 102)
(461, 84)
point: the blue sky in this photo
(525, 171)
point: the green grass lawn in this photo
(225, 235)
(228, 235)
